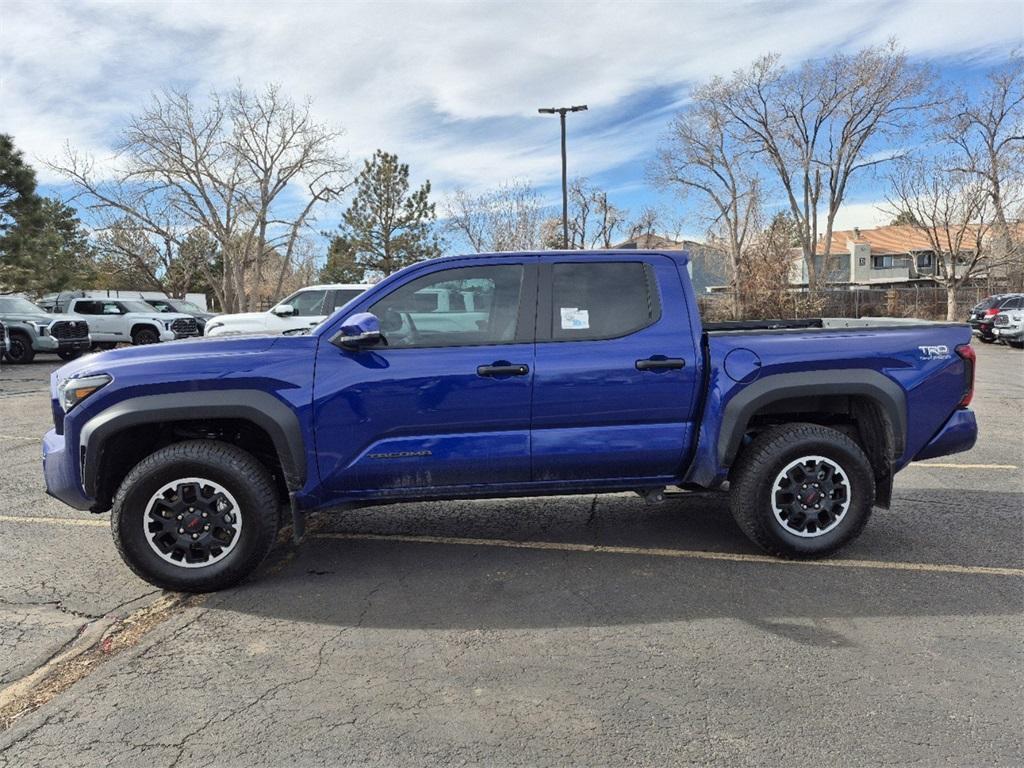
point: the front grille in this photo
(65, 330)
(185, 327)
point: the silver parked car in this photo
(31, 330)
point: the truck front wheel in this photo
(145, 335)
(195, 516)
(802, 490)
(20, 350)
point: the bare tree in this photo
(504, 219)
(222, 167)
(951, 210)
(581, 203)
(609, 220)
(764, 274)
(987, 130)
(822, 124)
(594, 221)
(645, 224)
(701, 155)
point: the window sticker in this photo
(574, 319)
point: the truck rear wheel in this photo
(195, 516)
(802, 490)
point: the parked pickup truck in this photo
(117, 321)
(297, 313)
(573, 372)
(32, 330)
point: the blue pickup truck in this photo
(503, 375)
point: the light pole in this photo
(565, 189)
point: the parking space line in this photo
(21, 437)
(568, 546)
(692, 554)
(939, 465)
(54, 520)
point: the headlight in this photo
(71, 392)
(43, 329)
(214, 324)
(168, 324)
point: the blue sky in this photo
(453, 88)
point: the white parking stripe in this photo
(54, 520)
(977, 570)
(965, 466)
(567, 546)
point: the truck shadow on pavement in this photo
(403, 584)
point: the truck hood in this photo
(242, 318)
(186, 351)
(38, 317)
(156, 317)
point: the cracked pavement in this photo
(378, 652)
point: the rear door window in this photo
(602, 300)
(344, 296)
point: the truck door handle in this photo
(660, 364)
(503, 369)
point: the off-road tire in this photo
(231, 467)
(20, 350)
(145, 336)
(756, 469)
(987, 339)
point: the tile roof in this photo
(895, 239)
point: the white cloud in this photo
(452, 87)
(862, 215)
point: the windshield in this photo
(185, 306)
(16, 304)
(137, 306)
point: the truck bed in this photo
(822, 323)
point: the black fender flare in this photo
(261, 408)
(868, 383)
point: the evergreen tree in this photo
(17, 185)
(47, 250)
(387, 226)
(342, 266)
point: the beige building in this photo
(893, 255)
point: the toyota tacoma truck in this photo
(567, 373)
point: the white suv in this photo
(118, 321)
(303, 309)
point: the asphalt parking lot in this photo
(567, 631)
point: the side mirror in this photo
(283, 310)
(359, 332)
